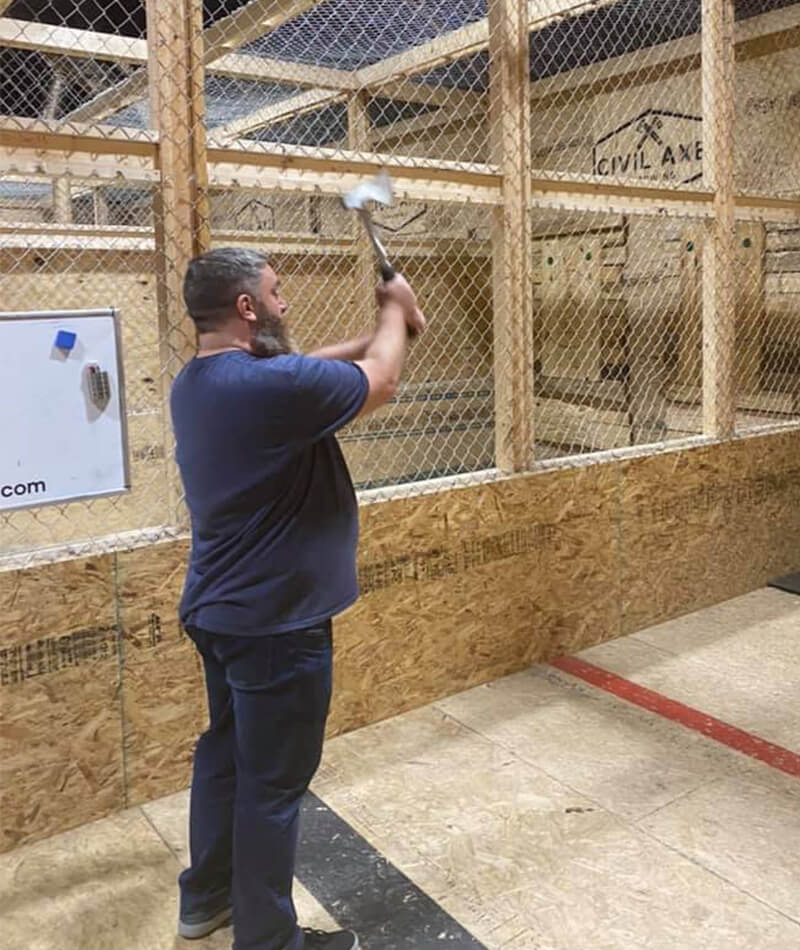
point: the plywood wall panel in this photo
(164, 713)
(776, 503)
(59, 698)
(54, 797)
(56, 599)
(164, 707)
(458, 588)
(707, 524)
(491, 578)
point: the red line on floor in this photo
(738, 739)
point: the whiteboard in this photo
(62, 411)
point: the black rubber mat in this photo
(790, 583)
(362, 890)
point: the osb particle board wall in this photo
(101, 697)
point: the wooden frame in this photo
(254, 19)
(757, 36)
(358, 127)
(181, 208)
(416, 550)
(674, 55)
(719, 279)
(511, 237)
(330, 85)
(66, 41)
(392, 73)
(37, 148)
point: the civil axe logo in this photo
(656, 145)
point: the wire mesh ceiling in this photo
(337, 34)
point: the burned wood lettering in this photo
(657, 144)
(752, 493)
(26, 661)
(443, 562)
(154, 628)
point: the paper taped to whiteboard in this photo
(62, 409)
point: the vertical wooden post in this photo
(364, 275)
(689, 326)
(511, 234)
(719, 279)
(62, 197)
(100, 204)
(62, 200)
(177, 108)
(751, 305)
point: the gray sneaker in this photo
(194, 928)
(321, 940)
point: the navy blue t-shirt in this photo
(274, 514)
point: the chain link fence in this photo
(552, 211)
(767, 162)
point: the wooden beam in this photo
(37, 149)
(99, 207)
(299, 180)
(343, 162)
(719, 257)
(511, 236)
(115, 238)
(439, 182)
(174, 31)
(50, 135)
(767, 208)
(253, 20)
(124, 94)
(62, 200)
(407, 90)
(393, 72)
(396, 131)
(621, 199)
(63, 236)
(444, 49)
(248, 22)
(177, 105)
(756, 36)
(364, 276)
(288, 108)
(462, 104)
(605, 75)
(251, 67)
(467, 40)
(39, 165)
(64, 41)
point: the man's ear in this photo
(245, 307)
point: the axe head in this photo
(378, 189)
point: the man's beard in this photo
(269, 336)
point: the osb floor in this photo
(536, 812)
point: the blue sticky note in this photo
(65, 340)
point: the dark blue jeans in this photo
(268, 701)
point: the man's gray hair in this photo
(215, 279)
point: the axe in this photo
(378, 189)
